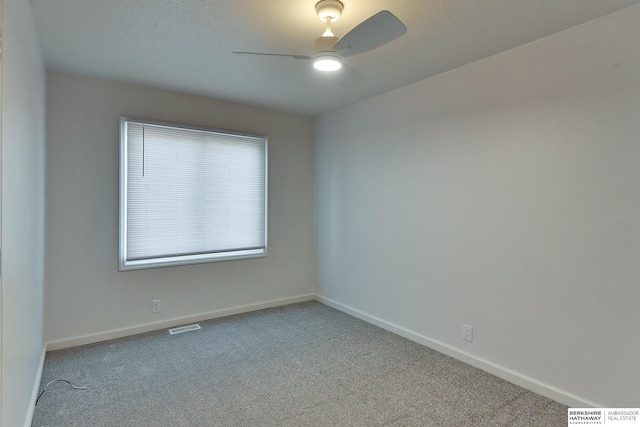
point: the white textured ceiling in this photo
(186, 45)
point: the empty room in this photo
(320, 213)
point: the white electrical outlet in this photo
(156, 306)
(467, 332)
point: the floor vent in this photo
(182, 329)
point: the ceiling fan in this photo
(378, 30)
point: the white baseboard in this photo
(148, 327)
(36, 391)
(507, 374)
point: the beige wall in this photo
(505, 195)
(85, 294)
(23, 155)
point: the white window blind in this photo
(190, 195)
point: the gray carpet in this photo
(299, 365)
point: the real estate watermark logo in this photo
(621, 417)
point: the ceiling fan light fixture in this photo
(373, 32)
(326, 62)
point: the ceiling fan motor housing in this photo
(324, 44)
(329, 9)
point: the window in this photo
(190, 195)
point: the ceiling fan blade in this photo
(275, 54)
(374, 32)
(348, 77)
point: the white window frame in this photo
(124, 263)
